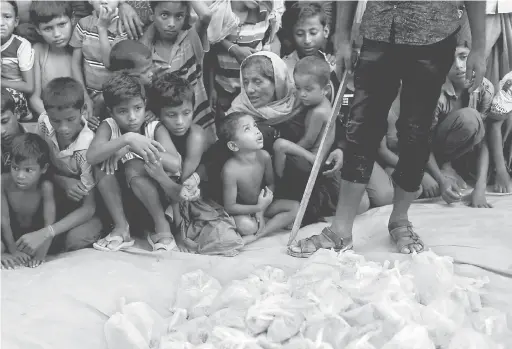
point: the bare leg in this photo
(111, 193)
(282, 148)
(246, 225)
(84, 235)
(281, 213)
(146, 192)
(346, 210)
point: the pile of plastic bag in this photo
(333, 301)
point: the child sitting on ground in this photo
(10, 128)
(126, 137)
(311, 77)
(28, 205)
(65, 130)
(91, 41)
(17, 61)
(52, 58)
(307, 25)
(180, 48)
(172, 100)
(248, 181)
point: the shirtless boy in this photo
(28, 204)
(311, 77)
(248, 181)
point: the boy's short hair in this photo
(315, 66)
(14, 6)
(62, 93)
(43, 11)
(263, 63)
(30, 146)
(186, 25)
(301, 11)
(126, 53)
(169, 90)
(121, 87)
(226, 130)
(7, 102)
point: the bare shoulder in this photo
(322, 111)
(197, 134)
(231, 169)
(263, 155)
(6, 181)
(47, 187)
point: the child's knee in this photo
(279, 145)
(246, 225)
(134, 170)
(294, 207)
(84, 235)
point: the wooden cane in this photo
(319, 159)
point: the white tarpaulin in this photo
(66, 302)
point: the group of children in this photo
(123, 121)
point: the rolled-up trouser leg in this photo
(376, 83)
(457, 134)
(424, 70)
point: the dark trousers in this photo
(381, 68)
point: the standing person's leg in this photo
(424, 72)
(376, 83)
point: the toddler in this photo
(248, 181)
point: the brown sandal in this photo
(403, 235)
(327, 239)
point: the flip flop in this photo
(327, 239)
(109, 238)
(158, 246)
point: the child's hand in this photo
(93, 123)
(213, 99)
(335, 159)
(74, 188)
(149, 116)
(430, 186)
(105, 17)
(8, 261)
(155, 170)
(109, 166)
(331, 60)
(502, 182)
(241, 52)
(260, 219)
(265, 198)
(146, 148)
(450, 191)
(31, 242)
(478, 199)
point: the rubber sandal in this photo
(110, 238)
(158, 246)
(319, 241)
(403, 235)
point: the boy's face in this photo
(144, 71)
(66, 122)
(457, 73)
(26, 173)
(169, 18)
(308, 89)
(9, 20)
(10, 127)
(57, 32)
(310, 36)
(130, 114)
(98, 4)
(247, 135)
(177, 119)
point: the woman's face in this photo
(259, 89)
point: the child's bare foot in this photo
(163, 240)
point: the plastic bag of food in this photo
(285, 326)
(466, 338)
(196, 292)
(120, 333)
(273, 280)
(360, 316)
(301, 342)
(261, 314)
(433, 276)
(411, 337)
(146, 320)
(179, 317)
(230, 338)
(238, 294)
(490, 321)
(229, 317)
(168, 344)
(196, 331)
(333, 328)
(360, 343)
